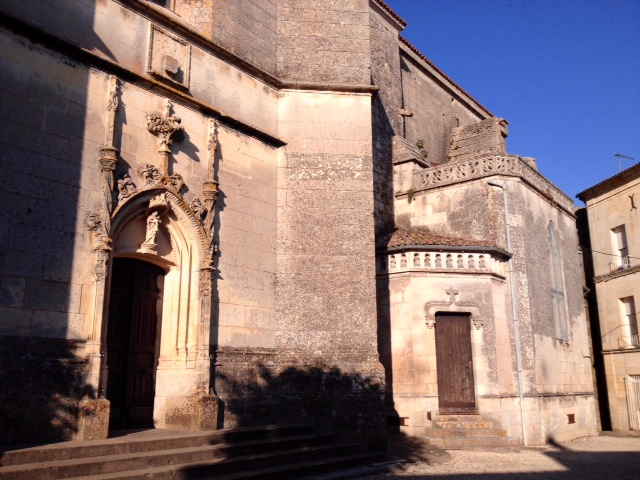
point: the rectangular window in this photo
(629, 324)
(620, 249)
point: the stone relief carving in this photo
(150, 175)
(452, 305)
(168, 57)
(95, 224)
(126, 188)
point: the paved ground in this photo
(603, 457)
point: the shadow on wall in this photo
(334, 401)
(41, 388)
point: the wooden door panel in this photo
(456, 389)
(131, 339)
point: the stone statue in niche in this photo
(153, 224)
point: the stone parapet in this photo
(507, 165)
(458, 262)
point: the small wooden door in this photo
(456, 389)
(131, 342)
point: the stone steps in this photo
(469, 432)
(164, 454)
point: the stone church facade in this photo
(229, 213)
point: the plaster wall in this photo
(608, 209)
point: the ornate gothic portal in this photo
(158, 323)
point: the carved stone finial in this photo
(164, 125)
(167, 128)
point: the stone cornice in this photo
(504, 165)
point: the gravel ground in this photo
(603, 457)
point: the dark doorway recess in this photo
(456, 389)
(132, 340)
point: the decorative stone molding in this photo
(447, 261)
(210, 186)
(509, 165)
(168, 57)
(452, 305)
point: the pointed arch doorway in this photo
(133, 333)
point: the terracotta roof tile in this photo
(392, 13)
(401, 238)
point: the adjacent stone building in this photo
(611, 227)
(229, 213)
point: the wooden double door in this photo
(132, 339)
(456, 388)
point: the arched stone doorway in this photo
(133, 337)
(157, 330)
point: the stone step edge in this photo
(165, 453)
(149, 472)
(464, 425)
(465, 432)
(454, 442)
(86, 448)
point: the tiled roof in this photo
(392, 13)
(611, 182)
(428, 62)
(402, 238)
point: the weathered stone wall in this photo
(385, 73)
(246, 28)
(477, 140)
(323, 41)
(453, 211)
(435, 106)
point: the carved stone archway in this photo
(157, 226)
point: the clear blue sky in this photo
(564, 73)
